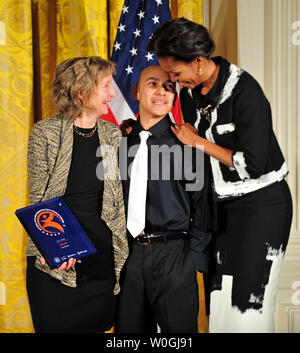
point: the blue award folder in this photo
(55, 231)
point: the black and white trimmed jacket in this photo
(239, 119)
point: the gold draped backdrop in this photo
(35, 35)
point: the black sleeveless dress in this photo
(90, 306)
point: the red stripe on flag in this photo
(176, 111)
(109, 117)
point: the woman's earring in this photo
(200, 71)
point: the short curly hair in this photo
(78, 75)
(181, 39)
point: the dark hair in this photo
(181, 39)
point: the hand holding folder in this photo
(65, 265)
(55, 232)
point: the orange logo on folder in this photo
(49, 221)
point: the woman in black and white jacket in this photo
(232, 121)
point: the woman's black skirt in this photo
(55, 307)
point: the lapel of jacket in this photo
(58, 180)
(109, 153)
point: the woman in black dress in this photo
(233, 123)
(64, 159)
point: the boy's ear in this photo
(134, 92)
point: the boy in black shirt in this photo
(159, 283)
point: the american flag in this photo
(139, 19)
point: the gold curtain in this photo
(35, 35)
(16, 116)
